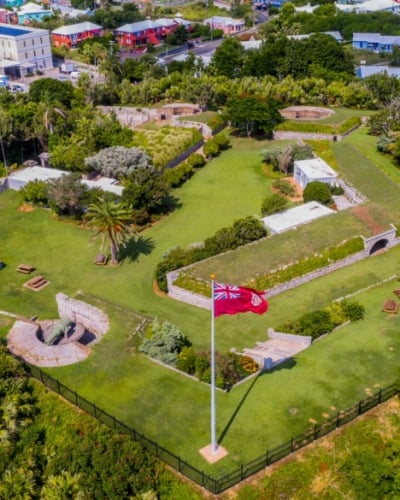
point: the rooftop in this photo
(293, 217)
(315, 168)
(76, 28)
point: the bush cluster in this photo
(163, 341)
(320, 322)
(218, 143)
(243, 231)
(166, 343)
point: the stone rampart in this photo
(92, 318)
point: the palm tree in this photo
(109, 221)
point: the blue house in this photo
(375, 42)
(32, 12)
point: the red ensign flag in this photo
(229, 299)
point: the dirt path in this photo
(364, 214)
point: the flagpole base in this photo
(211, 455)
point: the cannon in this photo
(58, 330)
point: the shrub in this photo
(222, 140)
(284, 187)
(163, 342)
(178, 175)
(315, 323)
(35, 192)
(317, 191)
(353, 310)
(211, 148)
(273, 204)
(196, 160)
(187, 360)
(248, 229)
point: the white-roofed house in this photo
(296, 216)
(73, 34)
(314, 169)
(228, 25)
(19, 179)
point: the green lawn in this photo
(171, 408)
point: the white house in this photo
(19, 179)
(314, 169)
(296, 216)
(24, 50)
(228, 25)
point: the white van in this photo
(74, 75)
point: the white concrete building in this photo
(24, 50)
(314, 169)
(294, 217)
(19, 179)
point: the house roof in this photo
(33, 7)
(225, 21)
(376, 38)
(73, 29)
(38, 173)
(7, 30)
(315, 168)
(365, 71)
(293, 217)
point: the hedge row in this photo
(320, 322)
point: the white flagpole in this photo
(214, 444)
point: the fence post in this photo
(316, 431)
(360, 407)
(58, 387)
(94, 409)
(267, 458)
(338, 419)
(76, 399)
(292, 445)
(241, 472)
(380, 397)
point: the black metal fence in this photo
(246, 470)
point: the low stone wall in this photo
(311, 136)
(296, 339)
(177, 293)
(92, 318)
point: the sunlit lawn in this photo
(168, 407)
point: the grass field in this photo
(166, 406)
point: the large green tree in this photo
(109, 221)
(251, 114)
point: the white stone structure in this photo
(92, 318)
(19, 179)
(278, 348)
(314, 169)
(24, 50)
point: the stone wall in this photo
(302, 340)
(92, 318)
(311, 136)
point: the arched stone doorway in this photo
(378, 245)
